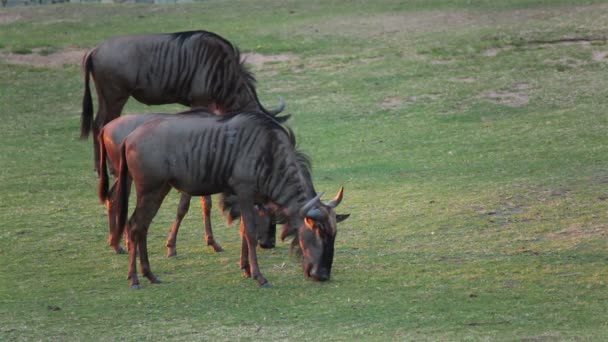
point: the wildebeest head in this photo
(317, 235)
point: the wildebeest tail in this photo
(86, 118)
(122, 195)
(103, 172)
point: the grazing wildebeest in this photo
(198, 69)
(111, 137)
(250, 155)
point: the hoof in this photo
(171, 253)
(120, 250)
(155, 280)
(136, 287)
(216, 246)
(266, 285)
(267, 246)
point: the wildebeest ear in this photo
(310, 223)
(341, 217)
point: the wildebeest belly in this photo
(152, 96)
(199, 181)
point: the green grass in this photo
(473, 158)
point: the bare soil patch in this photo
(578, 233)
(465, 79)
(393, 102)
(493, 52)
(6, 17)
(515, 97)
(565, 62)
(53, 60)
(507, 98)
(377, 25)
(74, 56)
(408, 24)
(258, 59)
(599, 56)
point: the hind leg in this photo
(206, 205)
(147, 207)
(112, 221)
(182, 210)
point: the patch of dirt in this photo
(493, 52)
(6, 17)
(74, 56)
(516, 97)
(401, 25)
(507, 98)
(565, 62)
(442, 61)
(577, 233)
(258, 59)
(382, 25)
(392, 102)
(465, 79)
(599, 56)
(53, 60)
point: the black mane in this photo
(243, 77)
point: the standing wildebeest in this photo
(248, 154)
(111, 137)
(195, 68)
(198, 69)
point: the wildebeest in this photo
(198, 69)
(250, 155)
(111, 137)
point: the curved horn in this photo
(309, 205)
(334, 202)
(279, 109)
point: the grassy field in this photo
(470, 137)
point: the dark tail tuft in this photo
(86, 118)
(103, 172)
(122, 196)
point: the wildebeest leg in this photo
(206, 205)
(244, 260)
(112, 221)
(109, 109)
(182, 210)
(248, 213)
(147, 207)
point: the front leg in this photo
(244, 261)
(182, 210)
(206, 206)
(248, 213)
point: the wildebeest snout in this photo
(321, 274)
